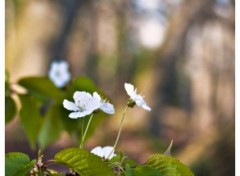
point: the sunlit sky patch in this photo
(151, 33)
(150, 5)
(151, 22)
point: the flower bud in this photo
(131, 103)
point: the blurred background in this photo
(178, 53)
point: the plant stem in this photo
(49, 162)
(119, 131)
(85, 132)
(82, 128)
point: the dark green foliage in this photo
(42, 88)
(42, 113)
(10, 106)
(31, 118)
(10, 109)
(18, 164)
(51, 128)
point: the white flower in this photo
(137, 98)
(85, 104)
(104, 105)
(104, 152)
(59, 73)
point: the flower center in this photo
(58, 73)
(81, 106)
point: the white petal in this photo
(141, 103)
(75, 115)
(146, 107)
(59, 82)
(103, 152)
(81, 95)
(51, 74)
(54, 66)
(107, 150)
(63, 66)
(70, 105)
(65, 77)
(129, 88)
(97, 96)
(107, 108)
(97, 151)
(139, 100)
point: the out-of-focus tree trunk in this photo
(171, 51)
(199, 48)
(70, 9)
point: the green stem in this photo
(82, 128)
(85, 132)
(119, 132)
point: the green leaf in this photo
(118, 158)
(51, 128)
(84, 84)
(18, 164)
(10, 109)
(147, 170)
(123, 160)
(130, 162)
(70, 125)
(26, 169)
(80, 84)
(128, 171)
(83, 162)
(30, 117)
(168, 166)
(143, 170)
(96, 121)
(42, 88)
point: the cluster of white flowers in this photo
(59, 73)
(85, 104)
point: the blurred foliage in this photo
(10, 108)
(42, 114)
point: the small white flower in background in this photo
(134, 96)
(85, 104)
(59, 73)
(104, 152)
